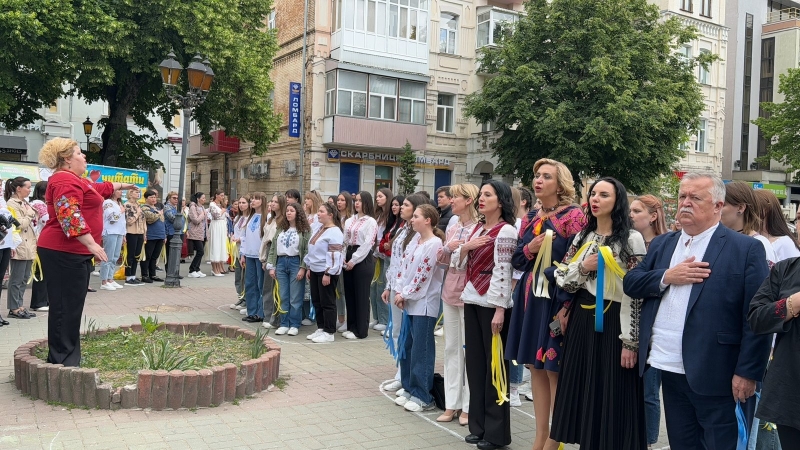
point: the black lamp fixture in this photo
(87, 130)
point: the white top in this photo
(379, 231)
(499, 293)
(288, 242)
(251, 237)
(215, 212)
(238, 228)
(420, 279)
(517, 273)
(325, 251)
(8, 242)
(666, 343)
(784, 248)
(113, 218)
(771, 258)
(396, 262)
(313, 222)
(360, 231)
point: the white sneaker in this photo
(200, 274)
(219, 274)
(281, 331)
(193, 275)
(117, 285)
(42, 309)
(323, 337)
(208, 262)
(243, 311)
(349, 335)
(96, 273)
(416, 407)
(266, 324)
(108, 287)
(400, 392)
(307, 322)
(372, 324)
(379, 327)
(401, 400)
(342, 328)
(292, 331)
(439, 332)
(315, 334)
(393, 386)
(514, 397)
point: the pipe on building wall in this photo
(302, 171)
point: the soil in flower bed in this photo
(118, 353)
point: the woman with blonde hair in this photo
(533, 339)
(311, 204)
(456, 389)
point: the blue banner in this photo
(294, 109)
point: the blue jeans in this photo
(515, 373)
(652, 403)
(416, 370)
(253, 284)
(291, 290)
(112, 244)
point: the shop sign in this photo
(778, 189)
(294, 109)
(388, 159)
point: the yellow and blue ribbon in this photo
(607, 270)
(405, 330)
(387, 334)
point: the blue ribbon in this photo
(599, 303)
(312, 313)
(405, 329)
(387, 334)
(741, 443)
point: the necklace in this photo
(548, 210)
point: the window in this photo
(703, 75)
(408, 19)
(448, 27)
(686, 53)
(337, 15)
(700, 145)
(445, 113)
(330, 93)
(746, 92)
(360, 10)
(494, 25)
(705, 8)
(686, 5)
(487, 127)
(412, 102)
(382, 97)
(53, 108)
(351, 94)
(271, 20)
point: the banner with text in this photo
(294, 109)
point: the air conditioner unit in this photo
(290, 167)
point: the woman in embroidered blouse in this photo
(239, 223)
(251, 239)
(324, 262)
(218, 234)
(393, 224)
(39, 300)
(456, 390)
(276, 208)
(16, 194)
(599, 403)
(113, 237)
(359, 265)
(344, 205)
(383, 211)
(487, 309)
(537, 302)
(286, 265)
(420, 281)
(68, 242)
(196, 233)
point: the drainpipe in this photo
(303, 102)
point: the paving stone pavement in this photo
(331, 400)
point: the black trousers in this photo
(5, 260)
(152, 250)
(67, 277)
(39, 293)
(356, 293)
(324, 300)
(134, 244)
(199, 251)
(789, 436)
(486, 418)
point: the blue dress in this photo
(530, 340)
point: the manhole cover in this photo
(166, 308)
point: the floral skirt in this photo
(530, 340)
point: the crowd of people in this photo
(610, 311)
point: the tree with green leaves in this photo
(407, 181)
(117, 47)
(596, 84)
(781, 124)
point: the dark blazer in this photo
(717, 339)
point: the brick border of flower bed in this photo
(156, 390)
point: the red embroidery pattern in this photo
(69, 215)
(551, 354)
(780, 308)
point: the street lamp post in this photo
(200, 76)
(87, 130)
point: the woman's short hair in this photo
(56, 151)
(467, 190)
(566, 184)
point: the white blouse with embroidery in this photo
(499, 293)
(420, 279)
(360, 231)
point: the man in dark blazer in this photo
(696, 287)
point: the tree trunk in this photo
(120, 102)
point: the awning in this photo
(13, 145)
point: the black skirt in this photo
(599, 404)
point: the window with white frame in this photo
(703, 76)
(412, 102)
(494, 25)
(448, 29)
(351, 94)
(487, 127)
(700, 145)
(382, 97)
(330, 93)
(445, 112)
(408, 19)
(705, 8)
(686, 5)
(271, 20)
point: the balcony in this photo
(781, 20)
(343, 131)
(221, 144)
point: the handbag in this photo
(437, 391)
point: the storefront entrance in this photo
(384, 178)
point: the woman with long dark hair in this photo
(276, 209)
(239, 223)
(324, 262)
(197, 233)
(344, 206)
(383, 212)
(599, 402)
(359, 265)
(250, 252)
(218, 234)
(286, 265)
(774, 227)
(487, 311)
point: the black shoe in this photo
(91, 290)
(253, 319)
(472, 439)
(160, 280)
(147, 280)
(3, 321)
(486, 445)
(21, 314)
(133, 282)
(180, 277)
(246, 318)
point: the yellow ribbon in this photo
(36, 264)
(611, 266)
(241, 297)
(499, 378)
(164, 255)
(377, 271)
(276, 295)
(142, 256)
(234, 254)
(542, 288)
(125, 255)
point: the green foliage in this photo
(89, 327)
(781, 126)
(595, 84)
(407, 181)
(149, 324)
(163, 356)
(257, 346)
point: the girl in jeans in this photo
(196, 234)
(253, 272)
(286, 265)
(113, 237)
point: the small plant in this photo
(149, 324)
(257, 346)
(89, 327)
(163, 356)
(280, 383)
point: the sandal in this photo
(448, 417)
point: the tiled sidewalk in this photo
(331, 399)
